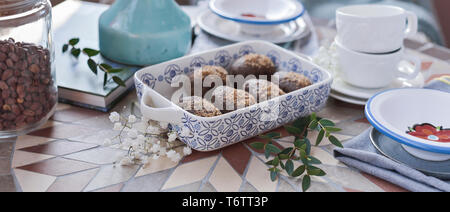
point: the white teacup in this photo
(374, 28)
(374, 70)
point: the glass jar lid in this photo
(19, 12)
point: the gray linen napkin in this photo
(361, 154)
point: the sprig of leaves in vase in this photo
(284, 159)
(93, 65)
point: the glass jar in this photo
(27, 74)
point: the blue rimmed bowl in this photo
(417, 118)
(258, 16)
(154, 90)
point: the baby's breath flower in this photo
(114, 117)
(132, 119)
(118, 126)
(107, 142)
(155, 148)
(163, 125)
(187, 150)
(185, 132)
(162, 151)
(141, 138)
(140, 127)
(133, 133)
(126, 161)
(153, 140)
(135, 145)
(171, 153)
(172, 136)
(144, 159)
(176, 158)
(155, 157)
(153, 130)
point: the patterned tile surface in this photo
(67, 154)
(43, 162)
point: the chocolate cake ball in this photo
(199, 75)
(262, 90)
(253, 64)
(228, 99)
(199, 106)
(291, 81)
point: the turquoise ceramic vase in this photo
(144, 32)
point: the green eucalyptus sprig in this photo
(284, 159)
(93, 65)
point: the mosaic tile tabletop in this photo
(67, 154)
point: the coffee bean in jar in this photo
(28, 91)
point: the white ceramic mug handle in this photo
(417, 67)
(412, 28)
(167, 113)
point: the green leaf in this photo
(313, 116)
(257, 145)
(293, 130)
(75, 52)
(335, 141)
(119, 81)
(105, 79)
(308, 146)
(320, 137)
(286, 151)
(305, 161)
(92, 65)
(289, 167)
(283, 156)
(65, 48)
(276, 161)
(269, 162)
(313, 125)
(273, 176)
(105, 67)
(299, 143)
(313, 160)
(303, 153)
(306, 183)
(326, 123)
(282, 165)
(115, 70)
(314, 171)
(74, 41)
(299, 171)
(272, 135)
(267, 153)
(302, 123)
(90, 52)
(332, 129)
(272, 148)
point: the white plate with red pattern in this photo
(419, 119)
(232, 31)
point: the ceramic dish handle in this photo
(158, 108)
(412, 24)
(417, 67)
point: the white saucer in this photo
(348, 99)
(363, 93)
(231, 30)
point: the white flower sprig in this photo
(327, 58)
(146, 140)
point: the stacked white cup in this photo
(370, 44)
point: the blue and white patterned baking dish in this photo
(154, 90)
